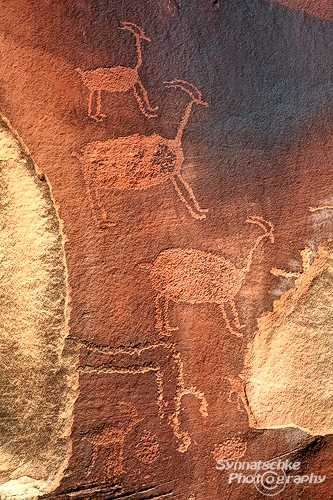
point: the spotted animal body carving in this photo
(118, 79)
(194, 276)
(138, 162)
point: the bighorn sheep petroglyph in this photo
(118, 78)
(137, 162)
(193, 276)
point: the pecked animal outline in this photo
(193, 276)
(182, 389)
(138, 162)
(118, 78)
(108, 434)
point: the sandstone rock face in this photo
(182, 143)
(38, 376)
(288, 366)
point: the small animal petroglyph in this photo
(118, 79)
(182, 389)
(138, 162)
(112, 439)
(193, 276)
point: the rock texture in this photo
(184, 143)
(38, 376)
(287, 370)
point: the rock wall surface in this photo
(188, 147)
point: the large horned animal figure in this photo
(118, 79)
(138, 162)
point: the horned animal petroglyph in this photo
(193, 276)
(138, 162)
(118, 79)
(183, 437)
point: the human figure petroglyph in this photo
(138, 162)
(112, 438)
(194, 276)
(118, 79)
(183, 437)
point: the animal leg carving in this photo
(143, 102)
(167, 327)
(158, 314)
(229, 327)
(94, 455)
(90, 102)
(99, 115)
(235, 315)
(145, 97)
(161, 315)
(201, 215)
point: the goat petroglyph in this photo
(182, 389)
(138, 162)
(38, 378)
(111, 438)
(288, 368)
(193, 276)
(118, 79)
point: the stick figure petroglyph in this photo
(118, 79)
(138, 162)
(193, 276)
(182, 389)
